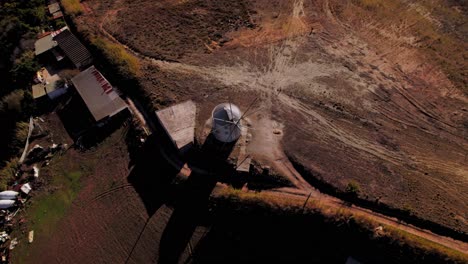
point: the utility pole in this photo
(305, 203)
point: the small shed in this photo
(62, 43)
(26, 188)
(45, 43)
(48, 84)
(57, 15)
(98, 94)
(51, 90)
(55, 7)
(73, 49)
(179, 123)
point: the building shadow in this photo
(189, 210)
(155, 168)
(211, 158)
(252, 234)
(75, 116)
(80, 125)
(152, 175)
(208, 165)
(99, 132)
(45, 105)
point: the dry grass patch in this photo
(438, 30)
(127, 64)
(72, 7)
(338, 216)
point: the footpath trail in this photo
(327, 200)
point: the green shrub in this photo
(59, 23)
(408, 209)
(21, 133)
(24, 67)
(7, 173)
(17, 105)
(12, 102)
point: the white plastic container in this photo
(4, 204)
(8, 195)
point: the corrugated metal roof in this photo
(97, 93)
(73, 48)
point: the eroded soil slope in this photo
(362, 90)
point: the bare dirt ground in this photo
(336, 93)
(357, 93)
(118, 216)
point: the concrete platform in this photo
(179, 122)
(243, 159)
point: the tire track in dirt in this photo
(420, 106)
(407, 107)
(281, 72)
(277, 76)
(110, 191)
(270, 82)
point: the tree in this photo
(24, 68)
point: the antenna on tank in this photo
(242, 117)
(238, 121)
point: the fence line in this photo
(26, 146)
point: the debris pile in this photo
(10, 202)
(13, 200)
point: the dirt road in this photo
(326, 200)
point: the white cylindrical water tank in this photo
(226, 122)
(4, 204)
(8, 195)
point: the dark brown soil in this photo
(172, 30)
(359, 97)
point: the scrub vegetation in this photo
(20, 21)
(72, 7)
(127, 64)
